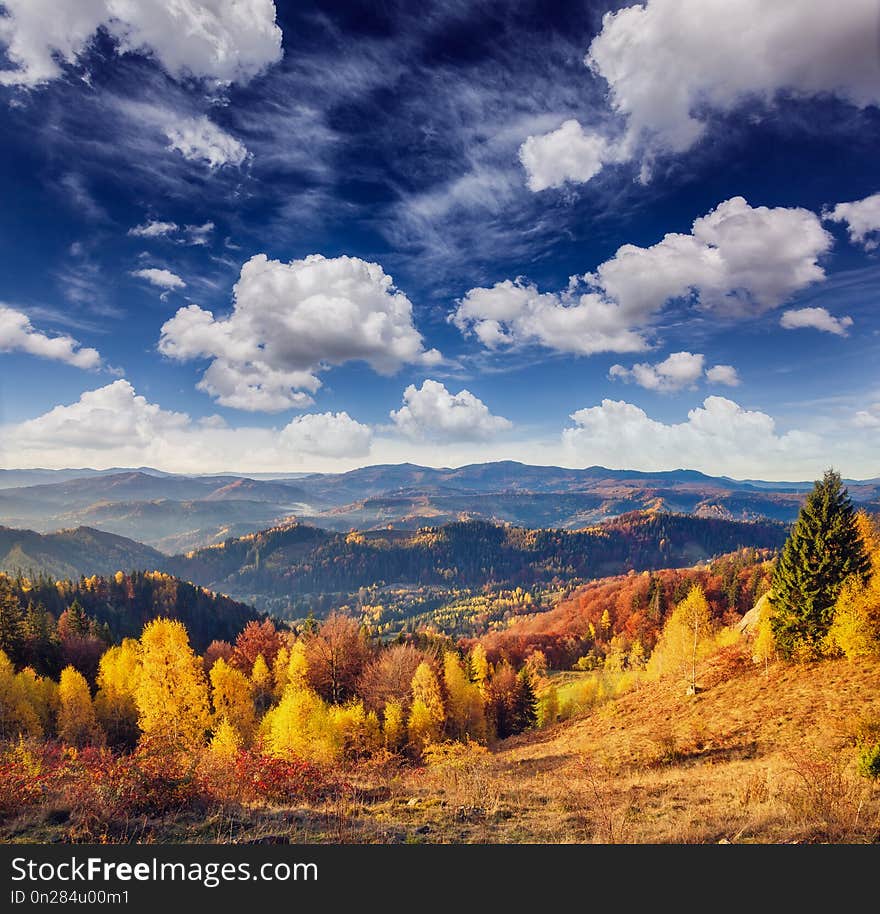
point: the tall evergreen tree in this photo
(823, 550)
(11, 622)
(525, 703)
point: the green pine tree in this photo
(823, 550)
(525, 703)
(11, 622)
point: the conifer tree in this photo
(823, 550)
(11, 622)
(525, 705)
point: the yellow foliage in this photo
(357, 731)
(42, 695)
(116, 699)
(172, 692)
(870, 535)
(226, 742)
(298, 666)
(465, 715)
(18, 717)
(764, 647)
(685, 638)
(479, 667)
(232, 701)
(393, 726)
(427, 714)
(279, 672)
(548, 707)
(77, 724)
(301, 725)
(855, 629)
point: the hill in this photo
(300, 559)
(403, 496)
(757, 757)
(72, 553)
(119, 605)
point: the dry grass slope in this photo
(756, 756)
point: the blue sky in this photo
(312, 236)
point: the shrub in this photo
(281, 780)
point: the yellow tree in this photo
(465, 716)
(116, 699)
(17, 714)
(298, 666)
(764, 647)
(231, 695)
(41, 693)
(301, 725)
(427, 715)
(261, 680)
(393, 726)
(225, 742)
(686, 631)
(280, 668)
(77, 724)
(172, 693)
(855, 628)
(480, 667)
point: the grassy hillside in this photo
(756, 757)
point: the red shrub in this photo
(264, 777)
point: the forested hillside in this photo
(71, 553)
(302, 560)
(47, 624)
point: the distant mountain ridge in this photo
(174, 512)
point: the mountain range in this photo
(175, 513)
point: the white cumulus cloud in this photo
(163, 279)
(327, 435)
(199, 139)
(720, 437)
(115, 426)
(679, 370)
(862, 218)
(723, 374)
(566, 154)
(289, 322)
(669, 64)
(513, 313)
(675, 372)
(214, 39)
(818, 319)
(18, 334)
(431, 411)
(737, 260)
